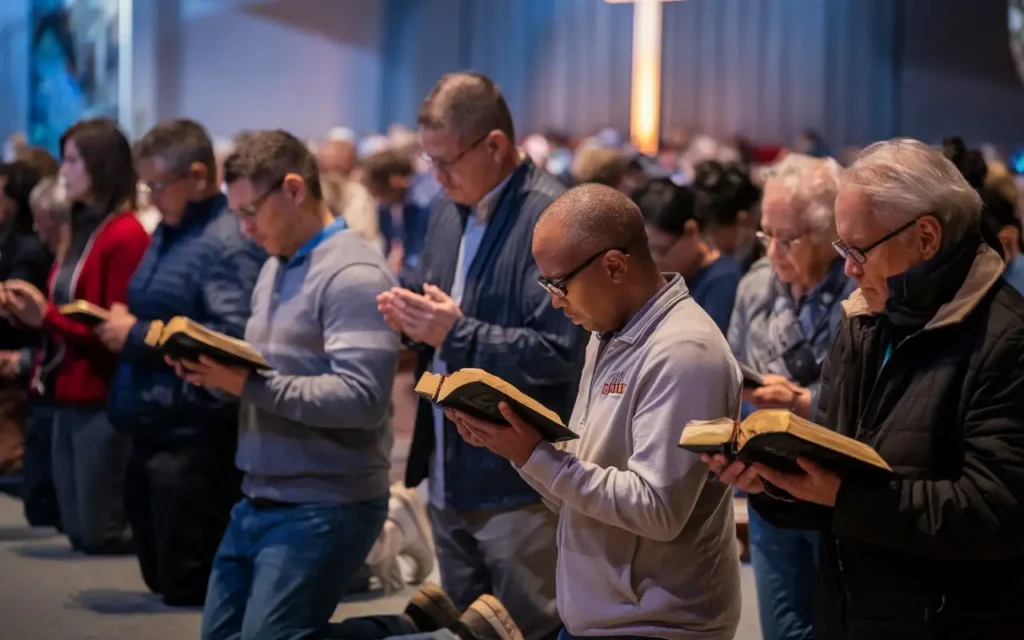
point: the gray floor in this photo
(49, 593)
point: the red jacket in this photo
(85, 371)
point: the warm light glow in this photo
(645, 102)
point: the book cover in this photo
(477, 393)
(183, 339)
(776, 438)
(84, 312)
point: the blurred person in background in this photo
(675, 235)
(786, 314)
(106, 244)
(337, 155)
(23, 257)
(999, 220)
(181, 481)
(40, 160)
(51, 211)
(404, 199)
(474, 302)
(351, 201)
(600, 165)
(727, 200)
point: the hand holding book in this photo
(514, 442)
(210, 374)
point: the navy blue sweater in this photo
(205, 269)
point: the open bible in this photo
(183, 339)
(84, 312)
(477, 393)
(776, 438)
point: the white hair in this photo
(904, 179)
(810, 186)
(51, 195)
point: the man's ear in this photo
(296, 188)
(616, 264)
(929, 236)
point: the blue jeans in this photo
(785, 562)
(279, 572)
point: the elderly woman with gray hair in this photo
(786, 313)
(928, 369)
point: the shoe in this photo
(487, 619)
(411, 518)
(430, 609)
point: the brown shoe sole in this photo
(496, 615)
(432, 602)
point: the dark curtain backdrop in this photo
(764, 68)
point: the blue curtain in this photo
(764, 68)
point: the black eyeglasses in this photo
(445, 166)
(860, 254)
(250, 210)
(157, 187)
(560, 286)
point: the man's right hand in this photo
(735, 473)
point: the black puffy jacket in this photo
(939, 552)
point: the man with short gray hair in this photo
(181, 481)
(473, 301)
(928, 369)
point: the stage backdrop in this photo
(767, 69)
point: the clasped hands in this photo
(22, 303)
(779, 393)
(426, 318)
(815, 484)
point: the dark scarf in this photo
(916, 294)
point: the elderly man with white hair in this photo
(927, 368)
(786, 312)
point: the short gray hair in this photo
(179, 143)
(904, 179)
(51, 196)
(810, 184)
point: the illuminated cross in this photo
(645, 101)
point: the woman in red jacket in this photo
(105, 247)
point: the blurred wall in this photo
(14, 41)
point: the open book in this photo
(477, 393)
(184, 339)
(776, 438)
(84, 312)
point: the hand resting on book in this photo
(210, 374)
(514, 442)
(815, 484)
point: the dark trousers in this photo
(88, 471)
(785, 569)
(37, 490)
(179, 497)
(280, 571)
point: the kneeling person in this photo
(646, 542)
(315, 433)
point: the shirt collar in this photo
(321, 236)
(673, 291)
(485, 207)
(200, 210)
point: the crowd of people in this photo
(877, 296)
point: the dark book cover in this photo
(480, 400)
(181, 346)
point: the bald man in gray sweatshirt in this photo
(646, 541)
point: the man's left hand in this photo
(815, 484)
(426, 318)
(514, 442)
(210, 374)
(114, 332)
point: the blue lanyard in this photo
(324, 234)
(888, 354)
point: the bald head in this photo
(592, 218)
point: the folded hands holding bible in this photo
(816, 484)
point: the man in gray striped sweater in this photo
(315, 432)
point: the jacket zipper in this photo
(593, 378)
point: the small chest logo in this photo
(615, 386)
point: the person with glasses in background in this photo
(473, 301)
(786, 314)
(181, 480)
(928, 369)
(315, 434)
(105, 246)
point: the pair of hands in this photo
(815, 484)
(22, 303)
(514, 442)
(424, 318)
(780, 393)
(9, 364)
(210, 374)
